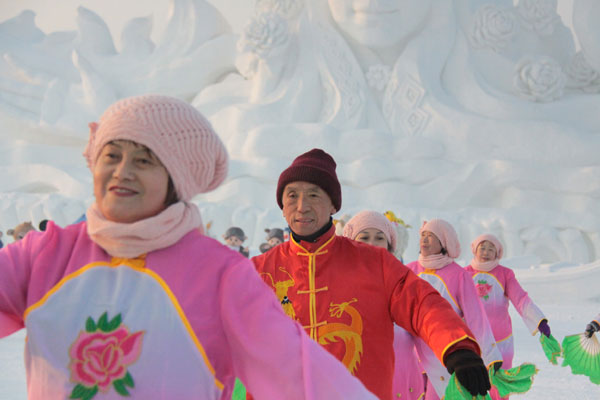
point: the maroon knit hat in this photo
(316, 167)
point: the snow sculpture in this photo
(585, 18)
(479, 112)
(66, 79)
(388, 101)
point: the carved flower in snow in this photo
(286, 8)
(540, 79)
(539, 15)
(264, 35)
(493, 28)
(581, 75)
(378, 76)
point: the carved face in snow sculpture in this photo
(379, 23)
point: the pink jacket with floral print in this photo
(177, 323)
(495, 288)
(456, 286)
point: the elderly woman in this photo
(439, 246)
(376, 229)
(496, 285)
(137, 301)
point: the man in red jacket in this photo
(347, 295)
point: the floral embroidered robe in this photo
(456, 286)
(495, 288)
(179, 323)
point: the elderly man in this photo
(347, 295)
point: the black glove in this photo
(497, 366)
(469, 370)
(591, 328)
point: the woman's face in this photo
(486, 251)
(130, 182)
(379, 23)
(430, 245)
(372, 236)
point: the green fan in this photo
(551, 348)
(456, 391)
(515, 380)
(582, 354)
(239, 391)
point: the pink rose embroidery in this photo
(101, 355)
(483, 289)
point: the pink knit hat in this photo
(371, 219)
(182, 139)
(446, 235)
(490, 238)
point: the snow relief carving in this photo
(581, 75)
(540, 79)
(539, 15)
(493, 28)
(288, 9)
(481, 112)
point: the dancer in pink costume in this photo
(439, 247)
(409, 380)
(136, 301)
(496, 285)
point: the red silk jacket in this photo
(347, 295)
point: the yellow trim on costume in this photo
(454, 342)
(135, 265)
(60, 283)
(312, 300)
(493, 276)
(432, 272)
(537, 325)
(492, 363)
(506, 338)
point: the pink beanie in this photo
(446, 235)
(371, 219)
(490, 238)
(182, 139)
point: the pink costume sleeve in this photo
(531, 314)
(14, 281)
(272, 354)
(476, 319)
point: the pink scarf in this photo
(484, 266)
(435, 261)
(130, 240)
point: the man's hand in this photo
(591, 328)
(469, 370)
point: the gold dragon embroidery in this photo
(350, 334)
(281, 291)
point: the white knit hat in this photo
(182, 139)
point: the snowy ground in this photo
(568, 312)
